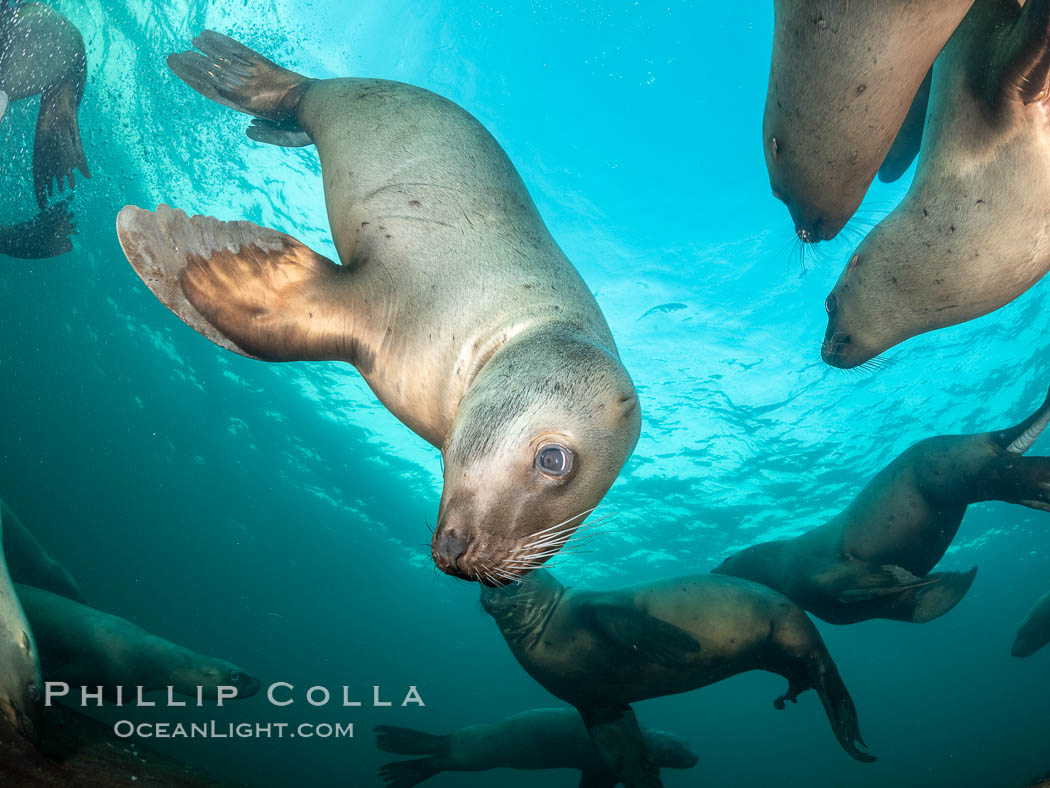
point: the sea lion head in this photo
(219, 673)
(760, 563)
(22, 701)
(669, 750)
(537, 441)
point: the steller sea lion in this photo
(29, 563)
(42, 53)
(874, 559)
(1035, 629)
(452, 300)
(973, 232)
(846, 98)
(81, 646)
(603, 650)
(20, 681)
(537, 739)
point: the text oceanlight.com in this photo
(241, 730)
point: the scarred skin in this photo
(842, 79)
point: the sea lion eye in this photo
(554, 460)
(830, 304)
(33, 691)
(235, 676)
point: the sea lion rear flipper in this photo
(405, 774)
(909, 139)
(407, 741)
(249, 289)
(1020, 68)
(596, 778)
(616, 734)
(642, 635)
(45, 235)
(57, 150)
(229, 73)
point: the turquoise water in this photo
(277, 515)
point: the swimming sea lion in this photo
(453, 301)
(29, 563)
(1035, 629)
(81, 646)
(41, 52)
(874, 559)
(843, 78)
(537, 739)
(45, 235)
(972, 233)
(603, 650)
(20, 682)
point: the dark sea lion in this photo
(1035, 629)
(603, 650)
(45, 235)
(20, 682)
(81, 646)
(874, 559)
(29, 563)
(843, 79)
(42, 53)
(973, 232)
(537, 739)
(453, 301)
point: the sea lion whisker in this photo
(563, 522)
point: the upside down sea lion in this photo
(973, 232)
(601, 651)
(874, 559)
(1035, 629)
(452, 300)
(537, 739)
(81, 646)
(41, 53)
(20, 681)
(844, 78)
(29, 563)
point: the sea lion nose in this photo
(448, 548)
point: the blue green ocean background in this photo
(277, 516)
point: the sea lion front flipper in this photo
(640, 634)
(904, 596)
(1020, 68)
(861, 581)
(57, 150)
(45, 235)
(909, 139)
(618, 737)
(599, 779)
(249, 289)
(284, 135)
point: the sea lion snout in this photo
(449, 548)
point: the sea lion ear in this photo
(1021, 60)
(641, 635)
(909, 138)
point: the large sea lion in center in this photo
(453, 301)
(847, 97)
(603, 650)
(875, 558)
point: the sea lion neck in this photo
(524, 618)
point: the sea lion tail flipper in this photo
(642, 635)
(823, 676)
(229, 73)
(909, 138)
(45, 235)
(249, 289)
(57, 149)
(937, 598)
(406, 741)
(405, 774)
(618, 737)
